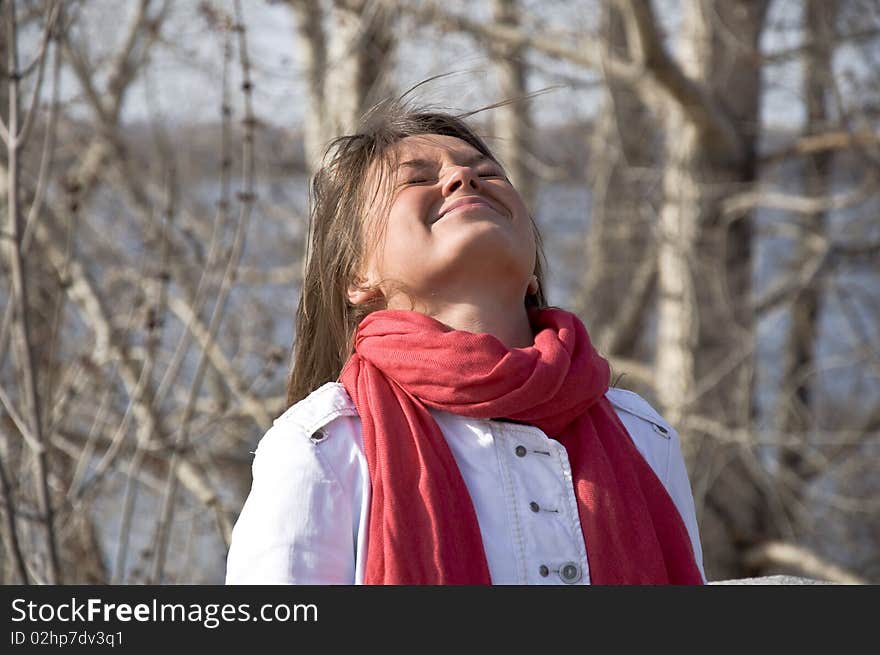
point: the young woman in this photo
(447, 426)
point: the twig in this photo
(88, 449)
(218, 360)
(10, 532)
(189, 312)
(628, 316)
(144, 437)
(35, 445)
(46, 165)
(28, 121)
(795, 284)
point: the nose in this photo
(461, 177)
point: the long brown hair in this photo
(338, 239)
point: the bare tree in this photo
(142, 345)
(621, 266)
(347, 65)
(15, 133)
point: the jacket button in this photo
(534, 506)
(318, 435)
(543, 571)
(520, 451)
(570, 573)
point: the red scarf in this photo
(423, 527)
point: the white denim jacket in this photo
(305, 520)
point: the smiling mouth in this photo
(467, 205)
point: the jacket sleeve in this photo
(679, 487)
(664, 455)
(295, 526)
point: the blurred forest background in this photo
(706, 174)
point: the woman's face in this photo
(456, 228)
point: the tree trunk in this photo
(347, 71)
(795, 404)
(705, 327)
(312, 48)
(620, 267)
(513, 122)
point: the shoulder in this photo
(652, 435)
(317, 411)
(305, 498)
(633, 405)
(294, 437)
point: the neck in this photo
(506, 320)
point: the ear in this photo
(533, 285)
(359, 292)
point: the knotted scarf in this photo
(423, 528)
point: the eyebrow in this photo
(467, 161)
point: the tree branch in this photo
(658, 72)
(28, 121)
(691, 98)
(252, 405)
(818, 143)
(806, 561)
(747, 201)
(10, 531)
